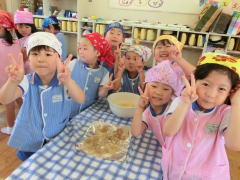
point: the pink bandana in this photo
(101, 45)
(6, 20)
(164, 73)
(23, 17)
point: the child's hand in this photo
(235, 95)
(121, 65)
(140, 65)
(64, 74)
(116, 52)
(144, 99)
(24, 53)
(175, 54)
(110, 84)
(189, 94)
(15, 70)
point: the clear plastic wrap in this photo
(106, 141)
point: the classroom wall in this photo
(101, 8)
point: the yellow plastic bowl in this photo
(123, 104)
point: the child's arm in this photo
(137, 126)
(176, 55)
(174, 121)
(232, 134)
(103, 90)
(10, 90)
(118, 75)
(64, 76)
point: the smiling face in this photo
(159, 94)
(213, 90)
(162, 50)
(114, 37)
(132, 60)
(23, 29)
(43, 61)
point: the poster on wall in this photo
(176, 6)
(232, 4)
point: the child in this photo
(24, 28)
(7, 46)
(130, 73)
(167, 47)
(114, 34)
(162, 85)
(51, 24)
(88, 72)
(198, 120)
(47, 94)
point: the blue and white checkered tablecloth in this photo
(59, 160)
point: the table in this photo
(59, 160)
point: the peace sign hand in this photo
(175, 54)
(144, 97)
(64, 73)
(121, 65)
(15, 70)
(189, 93)
(110, 84)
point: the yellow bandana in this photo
(172, 39)
(221, 59)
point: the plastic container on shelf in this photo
(97, 28)
(151, 34)
(36, 22)
(231, 44)
(74, 26)
(192, 40)
(40, 22)
(200, 40)
(69, 26)
(136, 33)
(102, 28)
(143, 34)
(64, 25)
(183, 38)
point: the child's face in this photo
(162, 52)
(213, 90)
(49, 29)
(24, 29)
(87, 52)
(43, 62)
(159, 94)
(132, 60)
(114, 37)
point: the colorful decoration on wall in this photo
(232, 4)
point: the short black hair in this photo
(33, 29)
(202, 71)
(8, 37)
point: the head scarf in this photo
(164, 73)
(113, 25)
(44, 38)
(49, 20)
(172, 39)
(102, 46)
(142, 51)
(23, 17)
(231, 62)
(6, 20)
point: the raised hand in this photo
(110, 84)
(175, 54)
(15, 70)
(64, 74)
(189, 93)
(144, 96)
(235, 95)
(121, 65)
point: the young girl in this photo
(7, 46)
(167, 47)
(88, 72)
(47, 94)
(130, 73)
(114, 34)
(199, 123)
(163, 83)
(51, 24)
(24, 28)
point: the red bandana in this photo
(6, 20)
(101, 45)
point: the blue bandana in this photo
(47, 21)
(113, 25)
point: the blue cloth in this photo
(47, 21)
(89, 80)
(129, 85)
(43, 114)
(62, 39)
(60, 160)
(113, 25)
(196, 107)
(22, 155)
